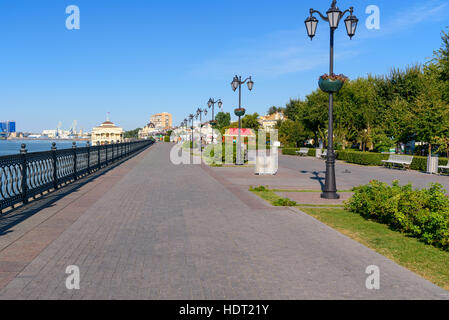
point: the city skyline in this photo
(141, 56)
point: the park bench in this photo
(303, 152)
(443, 168)
(399, 160)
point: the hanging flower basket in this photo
(332, 83)
(240, 112)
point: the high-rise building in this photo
(162, 120)
(11, 126)
(8, 127)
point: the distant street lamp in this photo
(199, 113)
(334, 15)
(185, 126)
(237, 83)
(211, 104)
(191, 116)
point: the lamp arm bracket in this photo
(312, 11)
(344, 12)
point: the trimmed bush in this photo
(259, 189)
(166, 138)
(420, 163)
(284, 202)
(312, 153)
(375, 159)
(292, 152)
(423, 214)
(363, 158)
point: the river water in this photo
(8, 147)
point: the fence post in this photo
(23, 152)
(106, 148)
(75, 175)
(55, 163)
(99, 159)
(88, 157)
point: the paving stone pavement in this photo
(351, 175)
(160, 231)
(309, 173)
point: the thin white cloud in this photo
(274, 55)
(288, 51)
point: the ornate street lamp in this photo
(185, 125)
(191, 116)
(199, 113)
(211, 104)
(333, 17)
(237, 84)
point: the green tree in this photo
(441, 64)
(223, 120)
(293, 109)
(443, 145)
(380, 111)
(274, 110)
(291, 134)
(132, 134)
(251, 121)
(431, 112)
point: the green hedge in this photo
(292, 152)
(166, 138)
(423, 214)
(363, 158)
(375, 159)
(312, 153)
(420, 163)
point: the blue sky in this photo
(138, 57)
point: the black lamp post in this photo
(237, 83)
(334, 15)
(199, 113)
(185, 125)
(211, 104)
(191, 116)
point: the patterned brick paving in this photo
(152, 230)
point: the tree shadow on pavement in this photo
(20, 214)
(316, 176)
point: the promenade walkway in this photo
(151, 230)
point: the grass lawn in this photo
(429, 262)
(271, 197)
(306, 191)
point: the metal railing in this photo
(27, 175)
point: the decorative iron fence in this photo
(26, 175)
